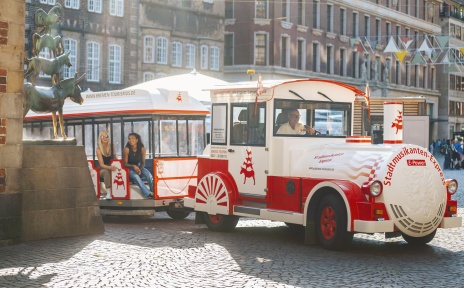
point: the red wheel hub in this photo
(215, 218)
(328, 223)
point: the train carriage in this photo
(153, 114)
(323, 177)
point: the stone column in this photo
(12, 31)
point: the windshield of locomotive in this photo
(312, 118)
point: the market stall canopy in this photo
(194, 83)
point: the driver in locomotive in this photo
(293, 126)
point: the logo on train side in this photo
(398, 122)
(416, 163)
(248, 171)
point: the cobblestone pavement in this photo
(160, 252)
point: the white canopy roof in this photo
(194, 83)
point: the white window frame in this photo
(94, 6)
(264, 3)
(190, 54)
(356, 24)
(148, 49)
(45, 53)
(93, 61)
(72, 4)
(148, 76)
(285, 54)
(316, 56)
(162, 50)
(343, 21)
(117, 8)
(114, 64)
(316, 13)
(176, 54)
(70, 45)
(266, 60)
(204, 57)
(49, 2)
(330, 18)
(303, 53)
(214, 56)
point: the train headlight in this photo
(373, 189)
(451, 186)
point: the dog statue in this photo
(51, 67)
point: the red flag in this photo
(367, 100)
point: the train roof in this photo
(130, 101)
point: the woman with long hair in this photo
(133, 157)
(105, 153)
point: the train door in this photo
(248, 158)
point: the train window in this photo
(183, 140)
(168, 137)
(248, 124)
(196, 137)
(326, 118)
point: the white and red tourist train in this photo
(321, 177)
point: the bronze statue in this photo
(51, 67)
(40, 42)
(47, 20)
(46, 100)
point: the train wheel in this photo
(212, 195)
(417, 241)
(331, 224)
(178, 214)
(220, 223)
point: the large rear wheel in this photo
(418, 241)
(331, 223)
(220, 223)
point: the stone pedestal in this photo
(58, 198)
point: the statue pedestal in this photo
(58, 198)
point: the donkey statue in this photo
(45, 100)
(51, 67)
(40, 42)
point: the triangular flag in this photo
(451, 58)
(435, 55)
(406, 41)
(391, 46)
(442, 41)
(360, 48)
(445, 59)
(401, 54)
(352, 42)
(418, 59)
(462, 50)
(453, 68)
(424, 47)
(373, 43)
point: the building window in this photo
(329, 60)
(285, 51)
(214, 51)
(190, 56)
(301, 12)
(367, 26)
(329, 18)
(261, 9)
(377, 31)
(408, 74)
(355, 26)
(117, 7)
(424, 77)
(398, 35)
(71, 46)
(316, 58)
(49, 2)
(229, 9)
(355, 66)
(162, 50)
(148, 49)
(316, 13)
(94, 6)
(408, 7)
(93, 62)
(148, 76)
(261, 49)
(301, 54)
(115, 64)
(342, 21)
(416, 8)
(342, 62)
(285, 10)
(73, 4)
(45, 53)
(229, 49)
(176, 54)
(387, 32)
(398, 73)
(204, 57)
(432, 80)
